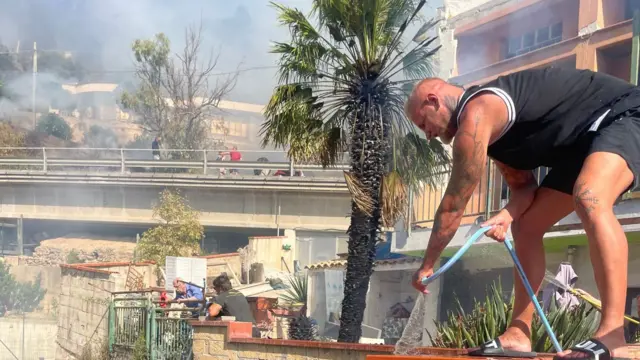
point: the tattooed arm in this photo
(469, 161)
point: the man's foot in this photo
(513, 344)
(516, 340)
(614, 341)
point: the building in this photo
(233, 122)
(498, 37)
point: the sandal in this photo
(594, 348)
(493, 348)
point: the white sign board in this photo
(193, 270)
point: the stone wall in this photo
(33, 334)
(232, 340)
(83, 313)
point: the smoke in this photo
(100, 33)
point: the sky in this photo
(100, 32)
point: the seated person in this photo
(189, 295)
(230, 302)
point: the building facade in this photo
(499, 37)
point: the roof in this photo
(215, 256)
(340, 263)
(94, 267)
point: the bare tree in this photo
(178, 95)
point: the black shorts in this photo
(620, 136)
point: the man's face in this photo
(433, 118)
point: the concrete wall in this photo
(83, 315)
(51, 280)
(218, 207)
(269, 251)
(36, 338)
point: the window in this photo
(533, 40)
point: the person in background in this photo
(155, 146)
(234, 155)
(230, 302)
(188, 294)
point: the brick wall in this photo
(83, 310)
(232, 340)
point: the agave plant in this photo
(296, 294)
(344, 77)
(490, 318)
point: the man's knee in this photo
(587, 199)
(529, 230)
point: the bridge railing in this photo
(211, 162)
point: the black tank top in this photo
(548, 110)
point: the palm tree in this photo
(343, 81)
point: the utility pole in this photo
(33, 90)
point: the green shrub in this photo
(54, 125)
(490, 318)
(18, 296)
(73, 257)
(140, 348)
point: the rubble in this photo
(87, 249)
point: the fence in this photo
(491, 194)
(258, 163)
(136, 322)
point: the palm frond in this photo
(393, 199)
(359, 194)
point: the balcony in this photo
(490, 197)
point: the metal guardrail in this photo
(261, 163)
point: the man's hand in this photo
(417, 279)
(500, 223)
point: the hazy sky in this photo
(102, 30)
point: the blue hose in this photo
(477, 235)
(472, 239)
(532, 295)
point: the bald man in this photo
(585, 126)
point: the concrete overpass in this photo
(285, 203)
(124, 190)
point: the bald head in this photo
(431, 106)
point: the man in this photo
(230, 302)
(188, 294)
(583, 125)
(155, 146)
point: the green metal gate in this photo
(137, 318)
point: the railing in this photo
(135, 316)
(489, 197)
(209, 162)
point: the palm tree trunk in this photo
(368, 150)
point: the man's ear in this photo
(432, 100)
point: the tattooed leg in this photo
(603, 178)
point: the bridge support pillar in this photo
(20, 236)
